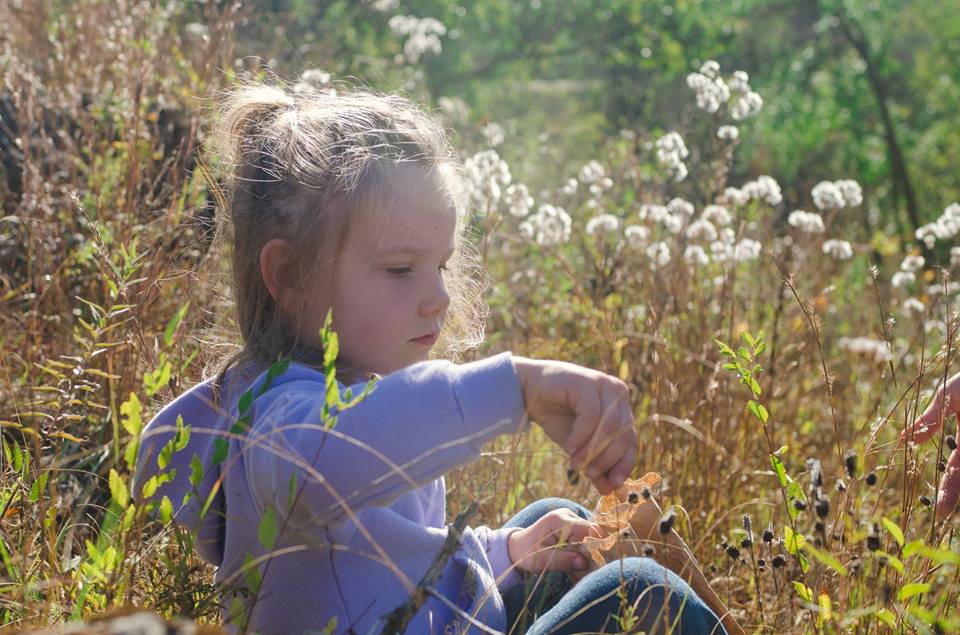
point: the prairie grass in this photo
(112, 304)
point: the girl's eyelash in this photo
(400, 271)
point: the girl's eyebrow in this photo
(412, 251)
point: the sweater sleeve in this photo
(494, 541)
(412, 427)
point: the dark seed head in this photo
(645, 492)
(768, 535)
(799, 505)
(818, 527)
(951, 442)
(925, 501)
(873, 542)
(747, 523)
(761, 562)
(850, 460)
(649, 551)
(733, 552)
(823, 507)
(942, 465)
(746, 543)
(633, 497)
(666, 523)
(871, 479)
(779, 562)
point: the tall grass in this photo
(767, 428)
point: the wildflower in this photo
(838, 249)
(695, 255)
(747, 249)
(423, 35)
(455, 108)
(903, 278)
(548, 226)
(851, 192)
(871, 479)
(519, 200)
(740, 82)
(603, 224)
(826, 195)
(748, 105)
(598, 187)
(711, 91)
(673, 223)
(655, 213)
(493, 133)
(710, 68)
(680, 207)
(944, 228)
(807, 222)
(591, 172)
(716, 214)
(671, 151)
(728, 133)
(570, 187)
(636, 313)
(659, 254)
(955, 256)
(701, 229)
(764, 188)
(913, 305)
(912, 263)
(877, 349)
(636, 235)
(384, 5)
(736, 196)
(486, 174)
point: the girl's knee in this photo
(535, 510)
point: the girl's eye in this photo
(399, 271)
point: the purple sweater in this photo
(371, 514)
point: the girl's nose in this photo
(437, 300)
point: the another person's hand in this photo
(926, 426)
(550, 544)
(585, 412)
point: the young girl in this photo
(352, 203)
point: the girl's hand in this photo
(927, 425)
(585, 412)
(550, 544)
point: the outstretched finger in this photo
(588, 408)
(942, 406)
(949, 486)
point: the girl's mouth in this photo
(427, 340)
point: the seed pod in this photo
(645, 492)
(925, 501)
(850, 460)
(873, 542)
(633, 497)
(746, 543)
(823, 507)
(951, 442)
(871, 479)
(819, 527)
(649, 551)
(666, 523)
(799, 505)
(761, 562)
(768, 535)
(733, 552)
(779, 562)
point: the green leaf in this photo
(182, 436)
(150, 487)
(130, 411)
(221, 448)
(826, 559)
(912, 547)
(160, 377)
(724, 349)
(805, 592)
(331, 626)
(913, 589)
(894, 530)
(130, 454)
(173, 324)
(251, 573)
(940, 556)
(196, 471)
(118, 489)
(38, 486)
(292, 489)
(887, 617)
(779, 469)
(795, 544)
(267, 532)
(166, 510)
(246, 400)
(758, 411)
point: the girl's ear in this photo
(276, 258)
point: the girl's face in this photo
(390, 300)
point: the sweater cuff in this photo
(491, 401)
(498, 554)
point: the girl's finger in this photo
(619, 473)
(949, 486)
(612, 413)
(588, 408)
(928, 424)
(615, 447)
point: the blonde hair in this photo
(304, 165)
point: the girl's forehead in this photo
(424, 224)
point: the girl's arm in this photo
(412, 427)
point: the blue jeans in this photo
(550, 603)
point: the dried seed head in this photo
(871, 479)
(951, 442)
(733, 552)
(850, 461)
(873, 542)
(747, 523)
(823, 507)
(666, 522)
(819, 527)
(925, 501)
(645, 492)
(649, 550)
(633, 498)
(746, 543)
(941, 465)
(768, 535)
(779, 562)
(799, 505)
(761, 562)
